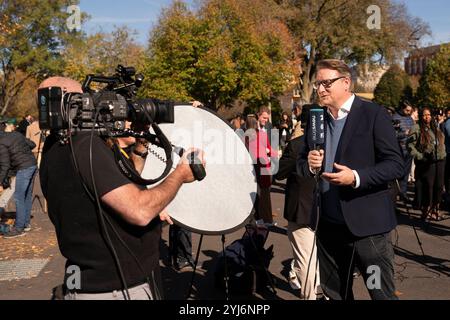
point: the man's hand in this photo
(344, 176)
(164, 216)
(315, 159)
(184, 168)
(197, 104)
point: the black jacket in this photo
(15, 153)
(298, 205)
(22, 127)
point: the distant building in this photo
(367, 77)
(416, 62)
(291, 95)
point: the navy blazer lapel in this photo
(349, 128)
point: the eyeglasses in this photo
(326, 83)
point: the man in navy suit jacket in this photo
(360, 157)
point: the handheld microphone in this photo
(317, 128)
(317, 132)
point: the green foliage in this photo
(170, 62)
(393, 88)
(100, 53)
(223, 53)
(32, 32)
(434, 86)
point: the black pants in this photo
(339, 251)
(447, 174)
(180, 244)
(429, 183)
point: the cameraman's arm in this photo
(139, 207)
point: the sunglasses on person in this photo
(326, 83)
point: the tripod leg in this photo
(42, 205)
(227, 292)
(195, 267)
(414, 227)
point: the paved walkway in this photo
(417, 276)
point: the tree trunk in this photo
(6, 105)
(10, 94)
(306, 88)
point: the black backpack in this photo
(247, 263)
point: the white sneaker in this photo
(293, 280)
(27, 228)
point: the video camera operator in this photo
(132, 213)
(403, 123)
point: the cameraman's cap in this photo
(67, 84)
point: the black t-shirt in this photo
(75, 217)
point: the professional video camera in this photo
(106, 109)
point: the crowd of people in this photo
(425, 142)
(338, 195)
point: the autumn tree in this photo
(100, 53)
(356, 31)
(434, 85)
(229, 50)
(171, 58)
(393, 88)
(32, 33)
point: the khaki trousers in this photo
(141, 292)
(301, 239)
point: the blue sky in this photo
(141, 15)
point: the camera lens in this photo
(147, 111)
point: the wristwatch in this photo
(141, 154)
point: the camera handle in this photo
(198, 170)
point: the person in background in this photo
(257, 143)
(426, 144)
(180, 247)
(415, 114)
(440, 118)
(403, 124)
(298, 211)
(237, 122)
(16, 155)
(34, 134)
(10, 126)
(446, 131)
(23, 125)
(285, 128)
(264, 123)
